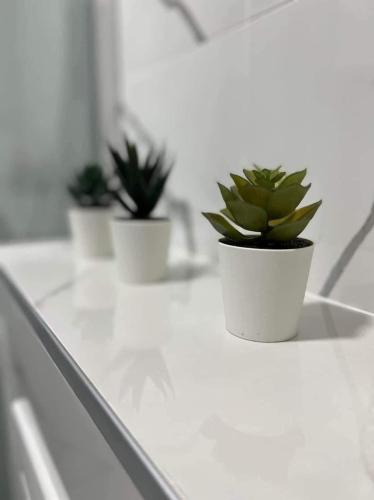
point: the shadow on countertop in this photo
(321, 321)
(187, 271)
(246, 454)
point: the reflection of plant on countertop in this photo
(264, 201)
(142, 181)
(89, 187)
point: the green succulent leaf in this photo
(295, 178)
(278, 177)
(264, 201)
(275, 172)
(250, 176)
(226, 212)
(248, 216)
(305, 212)
(226, 193)
(284, 200)
(276, 222)
(287, 231)
(239, 181)
(221, 225)
(263, 180)
(258, 168)
(89, 187)
(235, 191)
(294, 224)
(256, 195)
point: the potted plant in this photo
(141, 242)
(89, 219)
(264, 275)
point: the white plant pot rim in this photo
(76, 208)
(268, 250)
(141, 222)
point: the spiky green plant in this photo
(142, 182)
(264, 201)
(89, 187)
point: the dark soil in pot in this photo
(135, 219)
(269, 245)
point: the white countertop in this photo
(222, 418)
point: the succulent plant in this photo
(264, 201)
(142, 182)
(89, 187)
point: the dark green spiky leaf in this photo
(248, 216)
(221, 225)
(132, 154)
(156, 192)
(295, 178)
(142, 181)
(284, 200)
(294, 224)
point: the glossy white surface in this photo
(293, 86)
(221, 417)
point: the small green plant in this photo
(264, 201)
(142, 182)
(89, 187)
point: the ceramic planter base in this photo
(263, 290)
(90, 229)
(141, 248)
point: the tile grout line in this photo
(347, 255)
(216, 35)
(253, 18)
(337, 303)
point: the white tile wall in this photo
(155, 30)
(293, 86)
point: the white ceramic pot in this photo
(141, 248)
(90, 228)
(263, 290)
